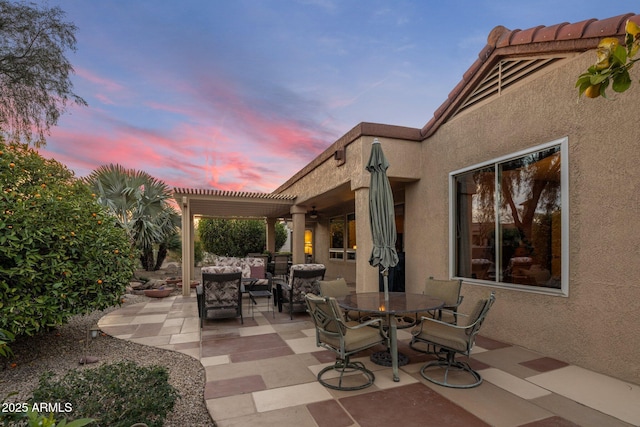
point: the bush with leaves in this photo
(116, 395)
(236, 237)
(613, 64)
(142, 205)
(61, 253)
(5, 338)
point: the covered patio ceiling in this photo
(341, 199)
(234, 204)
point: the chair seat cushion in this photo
(443, 335)
(354, 338)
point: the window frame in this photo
(350, 250)
(563, 291)
(346, 253)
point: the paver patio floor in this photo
(263, 372)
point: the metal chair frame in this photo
(281, 266)
(333, 333)
(448, 333)
(261, 290)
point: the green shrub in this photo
(61, 253)
(5, 338)
(120, 394)
(237, 237)
(39, 420)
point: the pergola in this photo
(240, 205)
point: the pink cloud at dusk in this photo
(238, 95)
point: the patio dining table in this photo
(397, 304)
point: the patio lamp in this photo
(92, 333)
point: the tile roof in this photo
(502, 42)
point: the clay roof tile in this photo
(473, 69)
(505, 38)
(573, 31)
(546, 34)
(525, 36)
(456, 90)
(605, 27)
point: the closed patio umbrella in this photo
(382, 215)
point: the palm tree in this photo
(140, 202)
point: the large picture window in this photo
(509, 219)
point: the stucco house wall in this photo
(593, 325)
(596, 325)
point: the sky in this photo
(240, 95)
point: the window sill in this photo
(515, 287)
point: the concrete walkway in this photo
(263, 373)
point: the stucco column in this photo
(297, 237)
(187, 247)
(271, 234)
(366, 276)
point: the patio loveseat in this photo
(251, 268)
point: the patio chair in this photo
(281, 266)
(220, 293)
(344, 339)
(303, 279)
(260, 285)
(452, 340)
(338, 288)
(449, 292)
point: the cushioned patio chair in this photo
(450, 340)
(303, 279)
(338, 288)
(344, 339)
(449, 292)
(220, 293)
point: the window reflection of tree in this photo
(337, 233)
(530, 186)
(529, 189)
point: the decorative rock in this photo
(137, 285)
(172, 269)
(88, 359)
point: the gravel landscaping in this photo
(61, 350)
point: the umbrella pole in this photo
(385, 280)
(391, 319)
